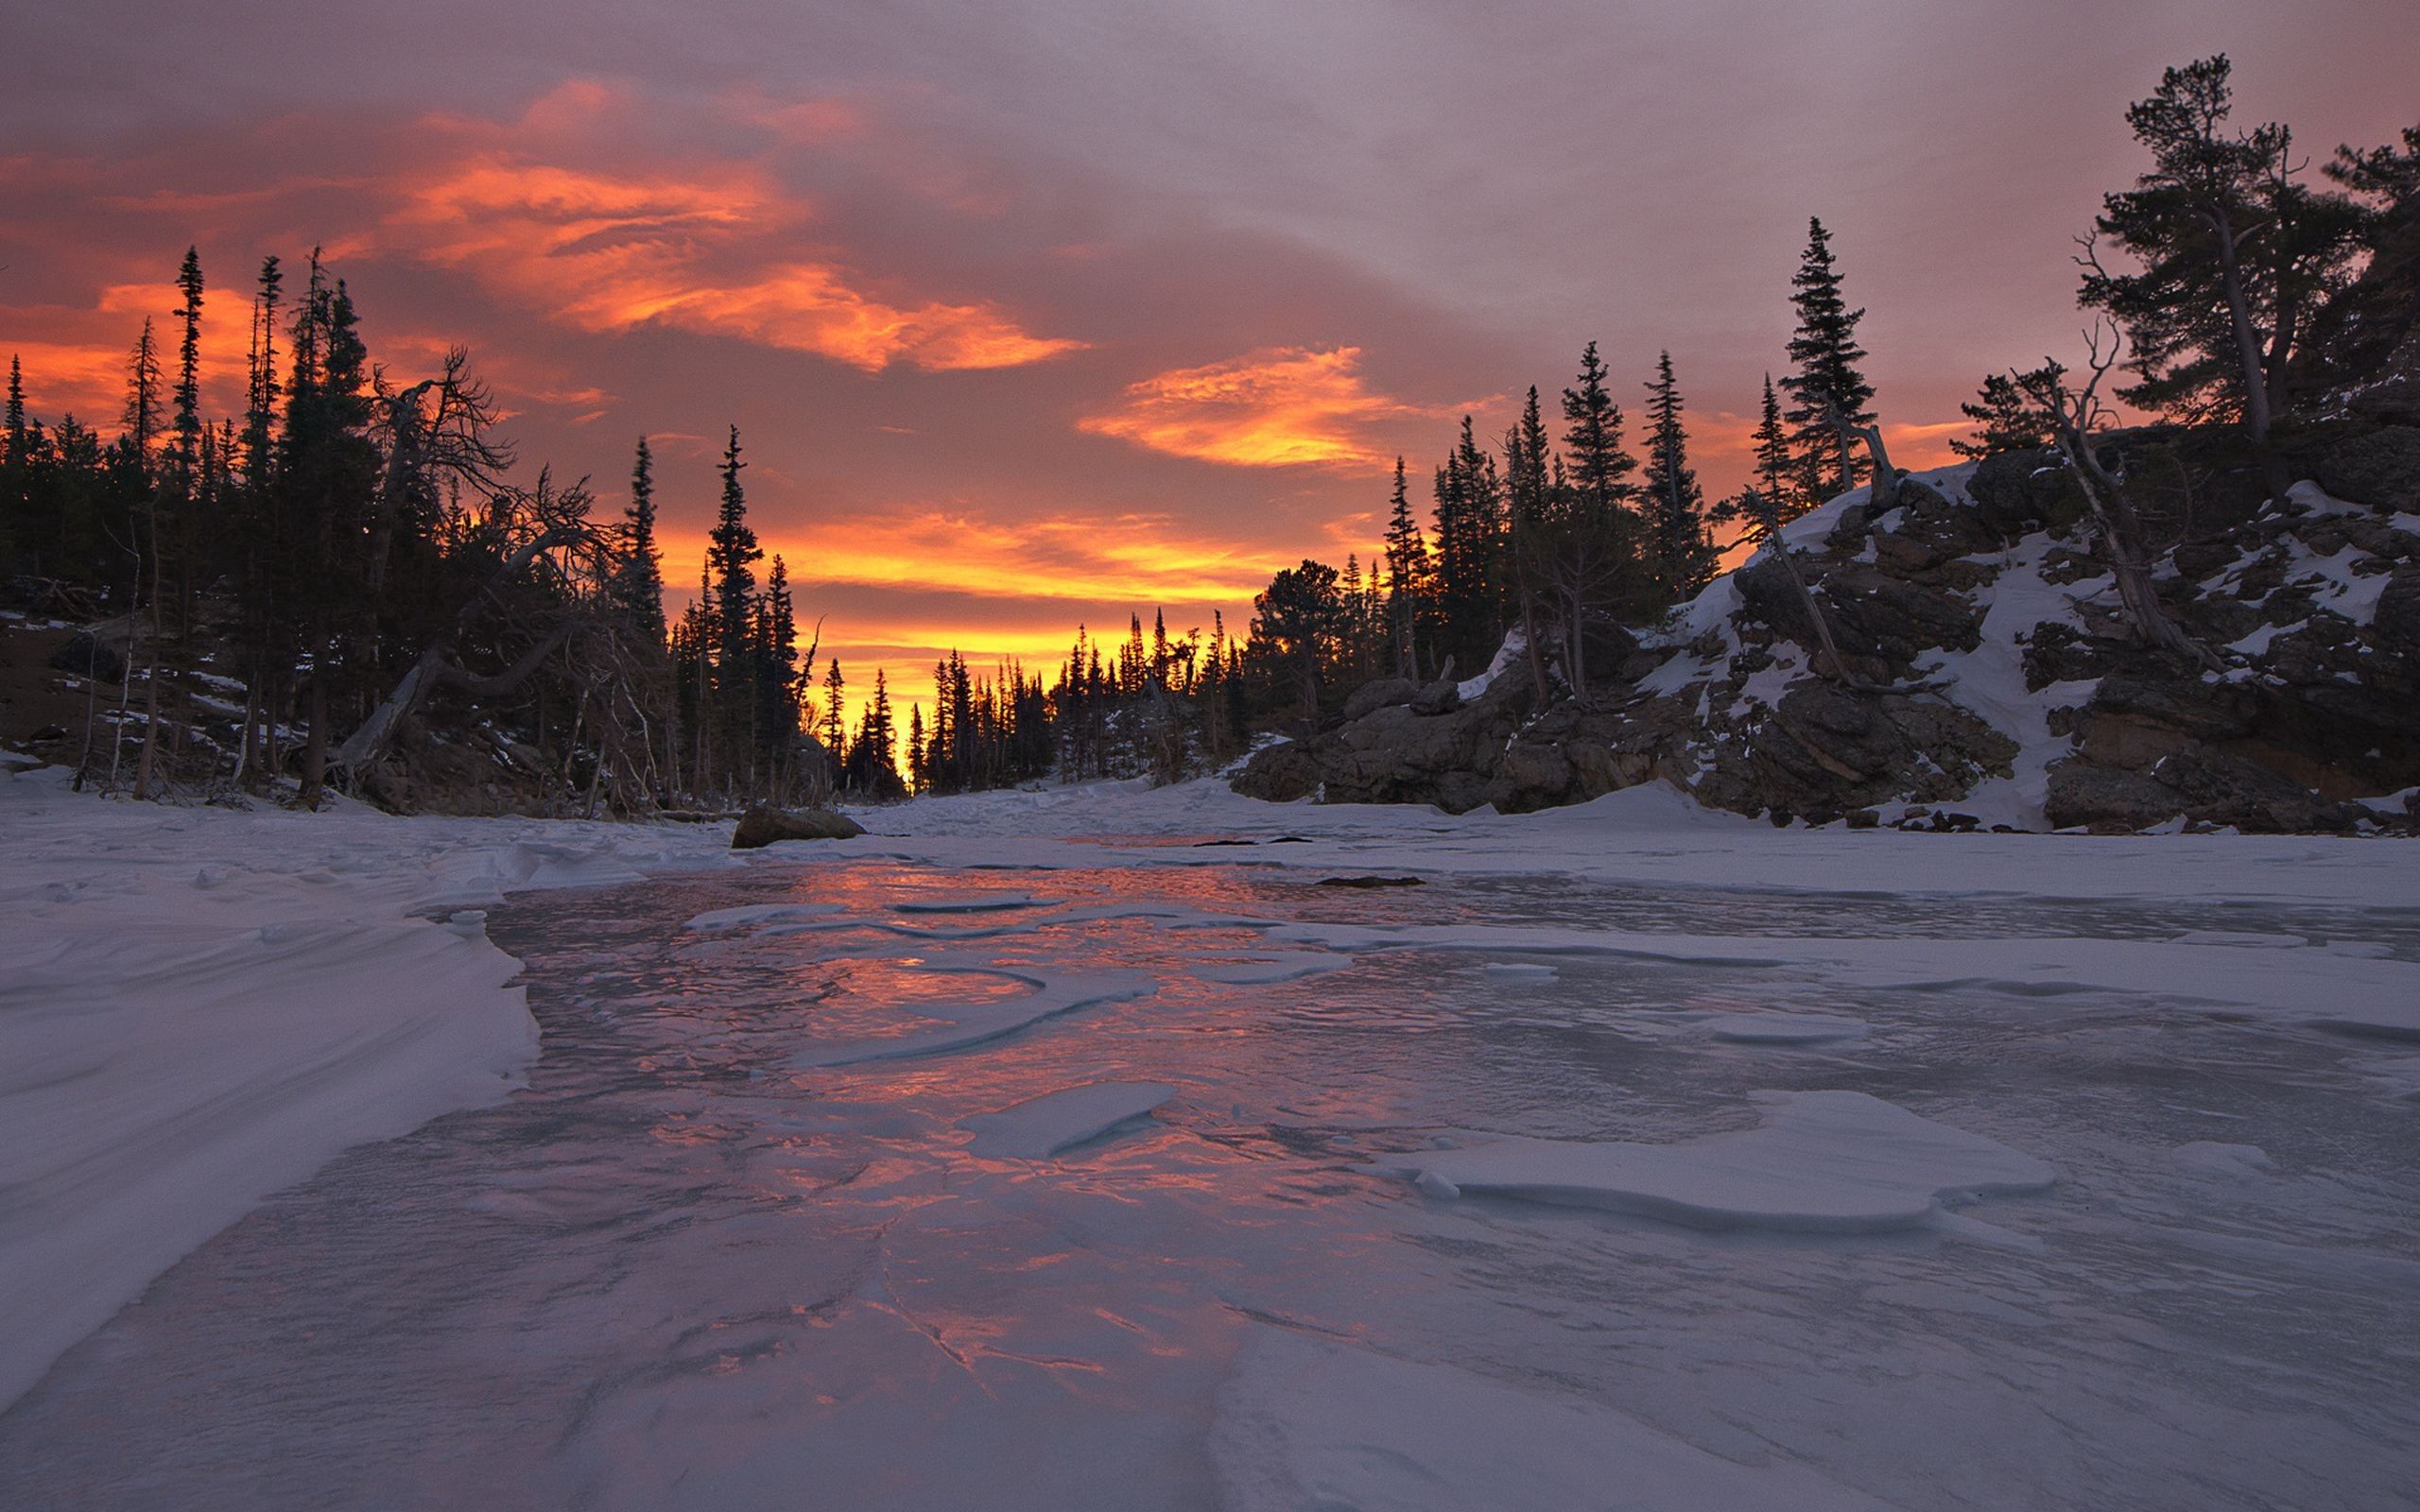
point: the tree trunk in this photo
(315, 743)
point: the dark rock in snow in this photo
(87, 655)
(1279, 774)
(2398, 614)
(2380, 469)
(764, 824)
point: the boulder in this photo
(2380, 469)
(2108, 798)
(764, 824)
(87, 655)
(2013, 492)
(1382, 693)
(2398, 611)
(2222, 788)
(1279, 774)
(1440, 697)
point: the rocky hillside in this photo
(1993, 680)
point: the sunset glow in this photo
(1001, 367)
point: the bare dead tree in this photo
(2076, 414)
(1883, 494)
(533, 523)
(432, 433)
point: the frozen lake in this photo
(1073, 1181)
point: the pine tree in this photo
(730, 550)
(1827, 379)
(1673, 502)
(188, 390)
(917, 781)
(2233, 252)
(1775, 497)
(142, 419)
(261, 387)
(1599, 467)
(1408, 570)
(2007, 421)
(1470, 513)
(776, 673)
(638, 586)
(836, 723)
(1529, 497)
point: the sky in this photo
(1033, 315)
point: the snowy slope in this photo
(199, 1006)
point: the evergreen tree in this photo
(638, 587)
(835, 722)
(731, 551)
(1775, 497)
(261, 387)
(2376, 314)
(188, 389)
(142, 419)
(1827, 379)
(1407, 572)
(1593, 440)
(777, 675)
(2234, 256)
(916, 773)
(1682, 555)
(2006, 420)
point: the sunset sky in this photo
(1037, 314)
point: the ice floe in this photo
(1039, 1127)
(1821, 1162)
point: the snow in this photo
(199, 1006)
(1988, 680)
(1515, 646)
(1313, 1423)
(1820, 1162)
(1055, 1123)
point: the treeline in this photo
(351, 556)
(2258, 300)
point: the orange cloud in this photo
(1134, 559)
(1279, 406)
(611, 251)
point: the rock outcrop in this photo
(1988, 675)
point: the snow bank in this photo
(1039, 1127)
(1306, 1422)
(201, 1006)
(1820, 1162)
